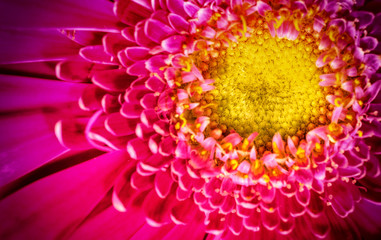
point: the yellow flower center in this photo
(268, 85)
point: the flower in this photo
(198, 119)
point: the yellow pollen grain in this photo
(268, 85)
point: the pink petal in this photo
(33, 209)
(137, 53)
(157, 31)
(155, 84)
(115, 42)
(155, 162)
(113, 80)
(178, 23)
(173, 44)
(138, 149)
(42, 46)
(234, 223)
(157, 210)
(135, 94)
(177, 7)
(131, 12)
(216, 224)
(270, 220)
(140, 182)
(184, 212)
(163, 183)
(59, 14)
(303, 197)
(96, 54)
(117, 125)
(253, 222)
(131, 110)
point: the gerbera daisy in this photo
(197, 119)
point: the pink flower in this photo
(192, 119)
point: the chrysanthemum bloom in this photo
(221, 119)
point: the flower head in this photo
(240, 118)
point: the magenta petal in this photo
(262, 8)
(35, 210)
(283, 208)
(137, 53)
(340, 160)
(253, 222)
(182, 195)
(157, 209)
(143, 132)
(177, 6)
(183, 212)
(70, 133)
(191, 9)
(118, 125)
(155, 63)
(59, 14)
(211, 186)
(131, 110)
(342, 201)
(140, 182)
(153, 143)
(34, 130)
(149, 101)
(304, 176)
(368, 43)
(115, 42)
(163, 183)
(320, 226)
(303, 196)
(316, 206)
(95, 54)
(270, 220)
(157, 31)
(296, 209)
(185, 182)
(167, 146)
(178, 167)
(110, 103)
(217, 200)
(204, 15)
(234, 223)
(42, 46)
(155, 162)
(199, 198)
(131, 12)
(138, 149)
(109, 223)
(244, 212)
(113, 80)
(227, 186)
(91, 98)
(155, 84)
(228, 205)
(286, 227)
(135, 94)
(178, 23)
(365, 18)
(149, 117)
(74, 71)
(268, 195)
(216, 223)
(141, 37)
(161, 127)
(173, 44)
(138, 69)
